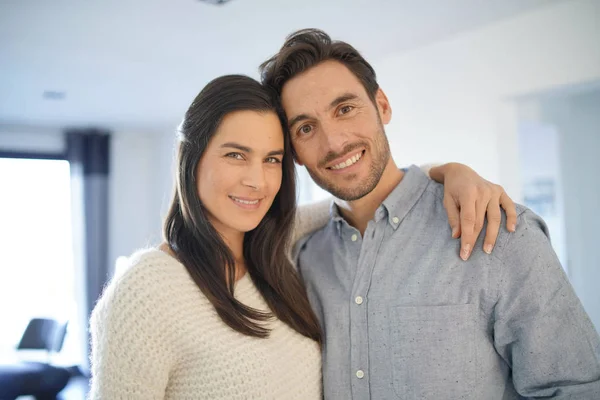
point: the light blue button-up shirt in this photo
(405, 318)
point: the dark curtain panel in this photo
(88, 153)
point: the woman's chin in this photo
(247, 227)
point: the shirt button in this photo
(396, 220)
(358, 300)
(354, 237)
(360, 374)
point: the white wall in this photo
(166, 146)
(137, 177)
(31, 139)
(451, 100)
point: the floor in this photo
(76, 390)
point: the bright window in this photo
(36, 262)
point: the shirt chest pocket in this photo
(433, 351)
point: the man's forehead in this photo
(319, 86)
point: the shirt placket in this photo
(359, 339)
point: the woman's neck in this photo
(235, 242)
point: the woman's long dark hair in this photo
(201, 249)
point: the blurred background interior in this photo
(91, 93)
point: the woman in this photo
(218, 311)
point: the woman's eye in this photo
(236, 156)
(273, 160)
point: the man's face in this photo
(336, 130)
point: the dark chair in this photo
(42, 380)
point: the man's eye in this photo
(346, 109)
(305, 129)
(273, 160)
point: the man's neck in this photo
(359, 212)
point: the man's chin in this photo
(347, 188)
(348, 193)
(350, 196)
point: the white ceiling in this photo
(136, 65)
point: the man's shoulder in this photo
(436, 190)
(530, 226)
(524, 256)
(531, 234)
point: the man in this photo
(402, 315)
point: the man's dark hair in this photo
(305, 49)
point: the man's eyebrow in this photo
(336, 102)
(297, 119)
(237, 146)
(341, 99)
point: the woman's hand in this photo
(467, 199)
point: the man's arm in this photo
(541, 329)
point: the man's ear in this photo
(383, 107)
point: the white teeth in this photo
(245, 201)
(348, 162)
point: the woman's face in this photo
(239, 174)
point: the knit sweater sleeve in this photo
(132, 336)
(314, 216)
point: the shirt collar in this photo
(336, 217)
(405, 195)
(398, 203)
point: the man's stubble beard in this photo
(380, 157)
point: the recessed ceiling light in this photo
(217, 2)
(54, 95)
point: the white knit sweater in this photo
(156, 336)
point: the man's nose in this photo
(334, 138)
